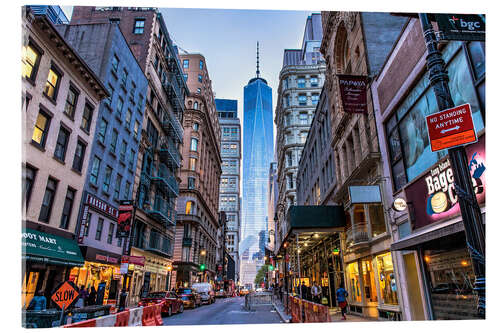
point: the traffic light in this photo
(271, 267)
(202, 267)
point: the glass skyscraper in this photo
(257, 155)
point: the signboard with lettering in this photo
(125, 212)
(451, 128)
(462, 27)
(66, 295)
(101, 206)
(353, 93)
(135, 260)
(433, 195)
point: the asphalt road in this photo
(223, 311)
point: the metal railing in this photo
(256, 299)
(162, 211)
(164, 178)
(168, 152)
(159, 243)
(357, 234)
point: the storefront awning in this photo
(50, 249)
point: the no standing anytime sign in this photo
(451, 128)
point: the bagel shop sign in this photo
(434, 196)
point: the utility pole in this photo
(471, 213)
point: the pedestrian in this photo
(82, 297)
(39, 302)
(342, 300)
(122, 303)
(303, 290)
(316, 292)
(92, 296)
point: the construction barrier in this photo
(122, 318)
(303, 311)
(135, 318)
(147, 316)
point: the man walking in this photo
(342, 301)
(316, 293)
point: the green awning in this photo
(50, 249)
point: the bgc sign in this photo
(434, 196)
(461, 27)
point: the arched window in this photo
(342, 51)
(195, 106)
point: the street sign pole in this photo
(471, 213)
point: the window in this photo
(94, 171)
(201, 64)
(79, 155)
(185, 63)
(114, 63)
(289, 158)
(185, 253)
(198, 91)
(52, 84)
(124, 77)
(303, 137)
(189, 208)
(131, 159)
(123, 151)
(139, 102)
(290, 180)
(29, 174)
(196, 126)
(185, 77)
(98, 231)
(191, 182)
(87, 117)
(119, 106)
(132, 91)
(31, 61)
(128, 117)
(114, 138)
(192, 164)
(136, 129)
(314, 81)
(302, 99)
(315, 99)
(103, 126)
(110, 233)
(62, 144)
(67, 208)
(127, 191)
(71, 100)
(195, 105)
(194, 144)
(86, 227)
(387, 279)
(200, 78)
(303, 118)
(118, 185)
(301, 82)
(41, 129)
(139, 26)
(107, 179)
(48, 200)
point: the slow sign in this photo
(66, 294)
(451, 128)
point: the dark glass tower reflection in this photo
(257, 155)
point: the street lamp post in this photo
(471, 213)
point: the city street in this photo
(223, 311)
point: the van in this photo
(206, 291)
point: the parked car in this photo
(171, 303)
(206, 292)
(220, 293)
(189, 296)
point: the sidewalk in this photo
(336, 316)
(280, 309)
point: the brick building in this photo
(156, 185)
(198, 202)
(61, 95)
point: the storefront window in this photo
(387, 279)
(369, 281)
(451, 281)
(353, 282)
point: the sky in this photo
(228, 38)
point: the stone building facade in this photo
(227, 110)
(156, 185)
(61, 95)
(198, 203)
(301, 80)
(357, 44)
